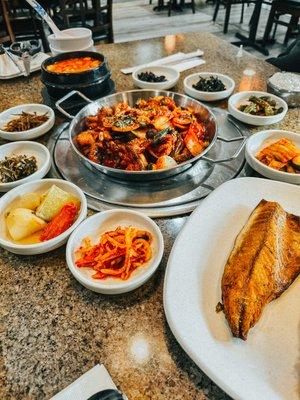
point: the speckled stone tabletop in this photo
(52, 329)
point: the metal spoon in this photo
(46, 17)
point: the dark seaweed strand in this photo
(149, 76)
(211, 84)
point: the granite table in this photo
(53, 329)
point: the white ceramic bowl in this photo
(241, 98)
(78, 38)
(89, 47)
(192, 79)
(39, 151)
(258, 141)
(171, 74)
(34, 133)
(41, 186)
(94, 227)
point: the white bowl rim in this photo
(89, 45)
(87, 30)
(164, 67)
(120, 285)
(32, 130)
(255, 160)
(253, 92)
(187, 84)
(62, 236)
(41, 148)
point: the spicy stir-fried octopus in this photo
(154, 134)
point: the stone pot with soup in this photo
(85, 71)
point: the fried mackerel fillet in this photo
(264, 262)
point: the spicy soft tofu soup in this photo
(74, 65)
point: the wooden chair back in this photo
(8, 31)
(94, 14)
(282, 7)
(22, 23)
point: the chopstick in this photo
(177, 57)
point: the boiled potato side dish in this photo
(22, 222)
(29, 200)
(39, 217)
(54, 200)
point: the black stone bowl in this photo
(93, 90)
(78, 78)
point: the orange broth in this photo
(74, 65)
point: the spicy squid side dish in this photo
(117, 254)
(154, 134)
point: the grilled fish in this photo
(264, 262)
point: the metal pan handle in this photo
(66, 97)
(234, 156)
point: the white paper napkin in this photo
(8, 69)
(172, 60)
(91, 382)
(188, 64)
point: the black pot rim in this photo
(72, 54)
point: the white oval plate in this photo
(192, 79)
(265, 366)
(262, 139)
(171, 74)
(105, 221)
(241, 98)
(39, 186)
(34, 133)
(39, 151)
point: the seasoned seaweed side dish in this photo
(211, 84)
(151, 77)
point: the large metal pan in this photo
(77, 125)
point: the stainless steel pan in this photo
(131, 97)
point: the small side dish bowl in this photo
(171, 74)
(34, 133)
(77, 38)
(262, 139)
(88, 47)
(192, 79)
(285, 85)
(96, 225)
(37, 150)
(291, 97)
(39, 186)
(257, 120)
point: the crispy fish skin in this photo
(264, 262)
